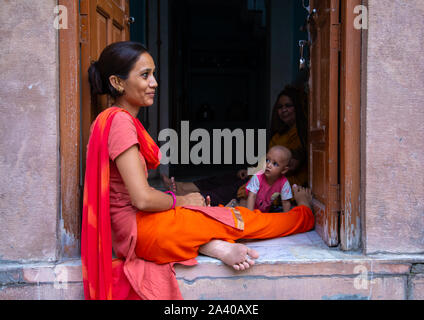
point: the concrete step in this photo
(299, 267)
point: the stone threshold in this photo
(303, 267)
(304, 254)
(295, 267)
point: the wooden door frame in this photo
(69, 127)
(73, 46)
(350, 128)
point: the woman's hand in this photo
(242, 174)
(191, 199)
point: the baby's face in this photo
(276, 163)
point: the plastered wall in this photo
(29, 140)
(393, 127)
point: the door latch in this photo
(302, 62)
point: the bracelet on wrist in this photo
(174, 197)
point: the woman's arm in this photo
(298, 158)
(144, 197)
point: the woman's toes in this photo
(244, 265)
(250, 262)
(252, 253)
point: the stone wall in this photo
(29, 140)
(393, 128)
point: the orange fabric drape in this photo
(96, 239)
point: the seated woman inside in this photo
(288, 129)
(150, 230)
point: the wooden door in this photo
(323, 117)
(102, 22)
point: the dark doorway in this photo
(221, 67)
(219, 61)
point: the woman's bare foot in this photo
(303, 196)
(235, 255)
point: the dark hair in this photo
(278, 126)
(116, 59)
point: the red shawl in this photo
(99, 276)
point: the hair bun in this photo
(95, 79)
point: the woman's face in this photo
(140, 87)
(286, 110)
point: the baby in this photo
(264, 187)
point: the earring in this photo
(121, 90)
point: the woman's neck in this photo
(133, 110)
(290, 124)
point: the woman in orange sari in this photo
(147, 229)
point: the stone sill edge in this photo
(70, 270)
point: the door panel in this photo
(102, 22)
(323, 123)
